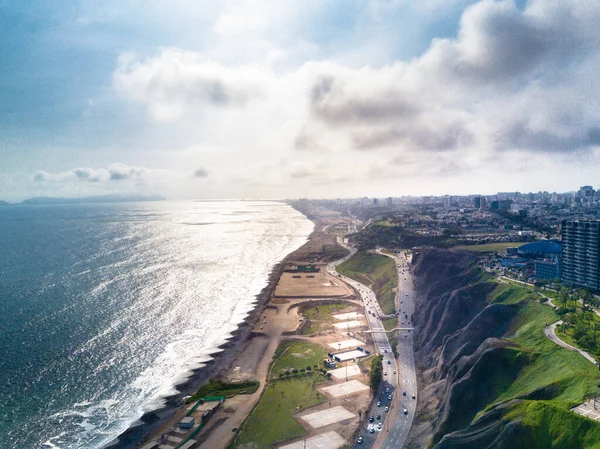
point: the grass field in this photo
(273, 419)
(490, 247)
(377, 272)
(319, 316)
(570, 375)
(297, 355)
(389, 323)
(215, 388)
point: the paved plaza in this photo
(328, 416)
(327, 440)
(348, 324)
(345, 388)
(587, 409)
(342, 373)
(345, 344)
(348, 316)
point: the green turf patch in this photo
(491, 247)
(377, 272)
(554, 427)
(294, 357)
(273, 419)
(216, 388)
(320, 317)
(389, 323)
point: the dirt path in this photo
(252, 363)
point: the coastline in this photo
(139, 432)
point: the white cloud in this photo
(512, 80)
(114, 173)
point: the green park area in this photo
(273, 418)
(491, 247)
(294, 357)
(547, 378)
(295, 373)
(319, 316)
(377, 272)
(218, 388)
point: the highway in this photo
(375, 433)
(408, 375)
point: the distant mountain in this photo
(94, 199)
(5, 203)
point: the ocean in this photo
(105, 307)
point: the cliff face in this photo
(460, 356)
(488, 377)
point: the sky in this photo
(298, 98)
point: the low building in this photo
(547, 249)
(514, 262)
(187, 422)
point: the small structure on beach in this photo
(187, 422)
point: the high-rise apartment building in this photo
(580, 254)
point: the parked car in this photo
(360, 440)
(405, 411)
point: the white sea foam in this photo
(205, 287)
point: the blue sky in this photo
(328, 98)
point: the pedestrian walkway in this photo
(589, 409)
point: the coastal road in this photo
(407, 375)
(382, 344)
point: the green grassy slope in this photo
(375, 271)
(548, 381)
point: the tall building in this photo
(580, 255)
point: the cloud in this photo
(514, 78)
(116, 172)
(176, 81)
(200, 172)
(511, 79)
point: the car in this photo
(265, 322)
(405, 411)
(387, 390)
(379, 426)
(394, 371)
(379, 417)
(405, 335)
(404, 393)
(360, 440)
(390, 397)
(387, 409)
(371, 419)
(414, 397)
(385, 373)
(378, 403)
(372, 430)
(389, 361)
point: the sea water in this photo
(105, 307)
